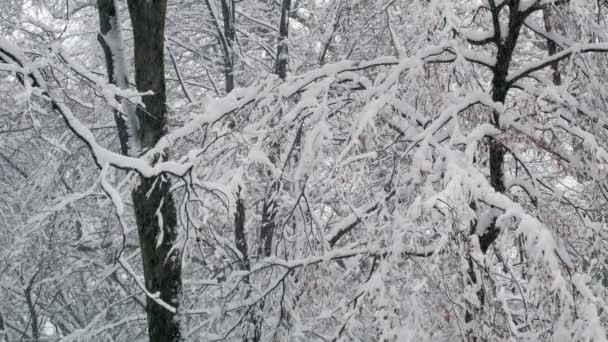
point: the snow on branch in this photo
(547, 61)
(100, 154)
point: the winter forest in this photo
(303, 170)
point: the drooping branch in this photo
(11, 54)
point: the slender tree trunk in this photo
(239, 234)
(269, 212)
(228, 13)
(269, 209)
(33, 316)
(227, 40)
(3, 330)
(552, 48)
(226, 37)
(31, 305)
(283, 48)
(500, 89)
(154, 207)
(229, 36)
(109, 35)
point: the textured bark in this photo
(108, 21)
(151, 198)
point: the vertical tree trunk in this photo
(551, 46)
(269, 212)
(3, 330)
(229, 36)
(226, 37)
(500, 88)
(154, 207)
(109, 35)
(269, 209)
(228, 12)
(240, 237)
(282, 48)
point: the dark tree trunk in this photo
(269, 213)
(3, 332)
(108, 26)
(31, 304)
(269, 210)
(239, 233)
(500, 88)
(228, 11)
(226, 37)
(229, 34)
(282, 48)
(151, 198)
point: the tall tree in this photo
(154, 207)
(407, 176)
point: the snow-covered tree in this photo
(345, 170)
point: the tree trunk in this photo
(500, 89)
(109, 35)
(3, 332)
(552, 48)
(269, 212)
(282, 48)
(240, 237)
(229, 36)
(269, 209)
(154, 207)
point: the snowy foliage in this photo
(439, 173)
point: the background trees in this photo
(432, 171)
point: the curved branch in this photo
(548, 61)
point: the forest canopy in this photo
(303, 170)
